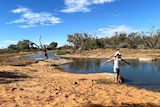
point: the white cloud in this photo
(101, 1)
(81, 5)
(19, 10)
(32, 19)
(76, 6)
(110, 31)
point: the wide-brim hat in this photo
(117, 53)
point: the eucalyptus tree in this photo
(79, 41)
(134, 40)
(113, 41)
(40, 47)
(121, 40)
(151, 38)
(105, 42)
(95, 43)
(52, 45)
(43, 48)
(12, 47)
(23, 45)
(74, 40)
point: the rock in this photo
(146, 59)
(75, 82)
(13, 89)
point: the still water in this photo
(140, 74)
(40, 56)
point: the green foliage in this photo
(134, 40)
(83, 41)
(12, 47)
(141, 47)
(79, 41)
(52, 46)
(27, 45)
(61, 52)
(23, 45)
(94, 44)
(122, 45)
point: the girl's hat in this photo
(117, 53)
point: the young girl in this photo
(117, 58)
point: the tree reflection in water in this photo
(84, 65)
(142, 74)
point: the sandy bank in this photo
(108, 53)
(42, 85)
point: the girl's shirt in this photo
(116, 62)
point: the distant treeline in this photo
(135, 40)
(27, 45)
(83, 41)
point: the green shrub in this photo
(61, 52)
(141, 47)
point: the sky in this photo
(53, 20)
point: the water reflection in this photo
(141, 74)
(85, 65)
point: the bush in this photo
(61, 52)
(123, 45)
(141, 47)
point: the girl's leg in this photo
(116, 76)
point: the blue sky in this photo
(53, 20)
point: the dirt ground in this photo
(108, 53)
(41, 85)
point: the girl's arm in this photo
(125, 61)
(109, 60)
